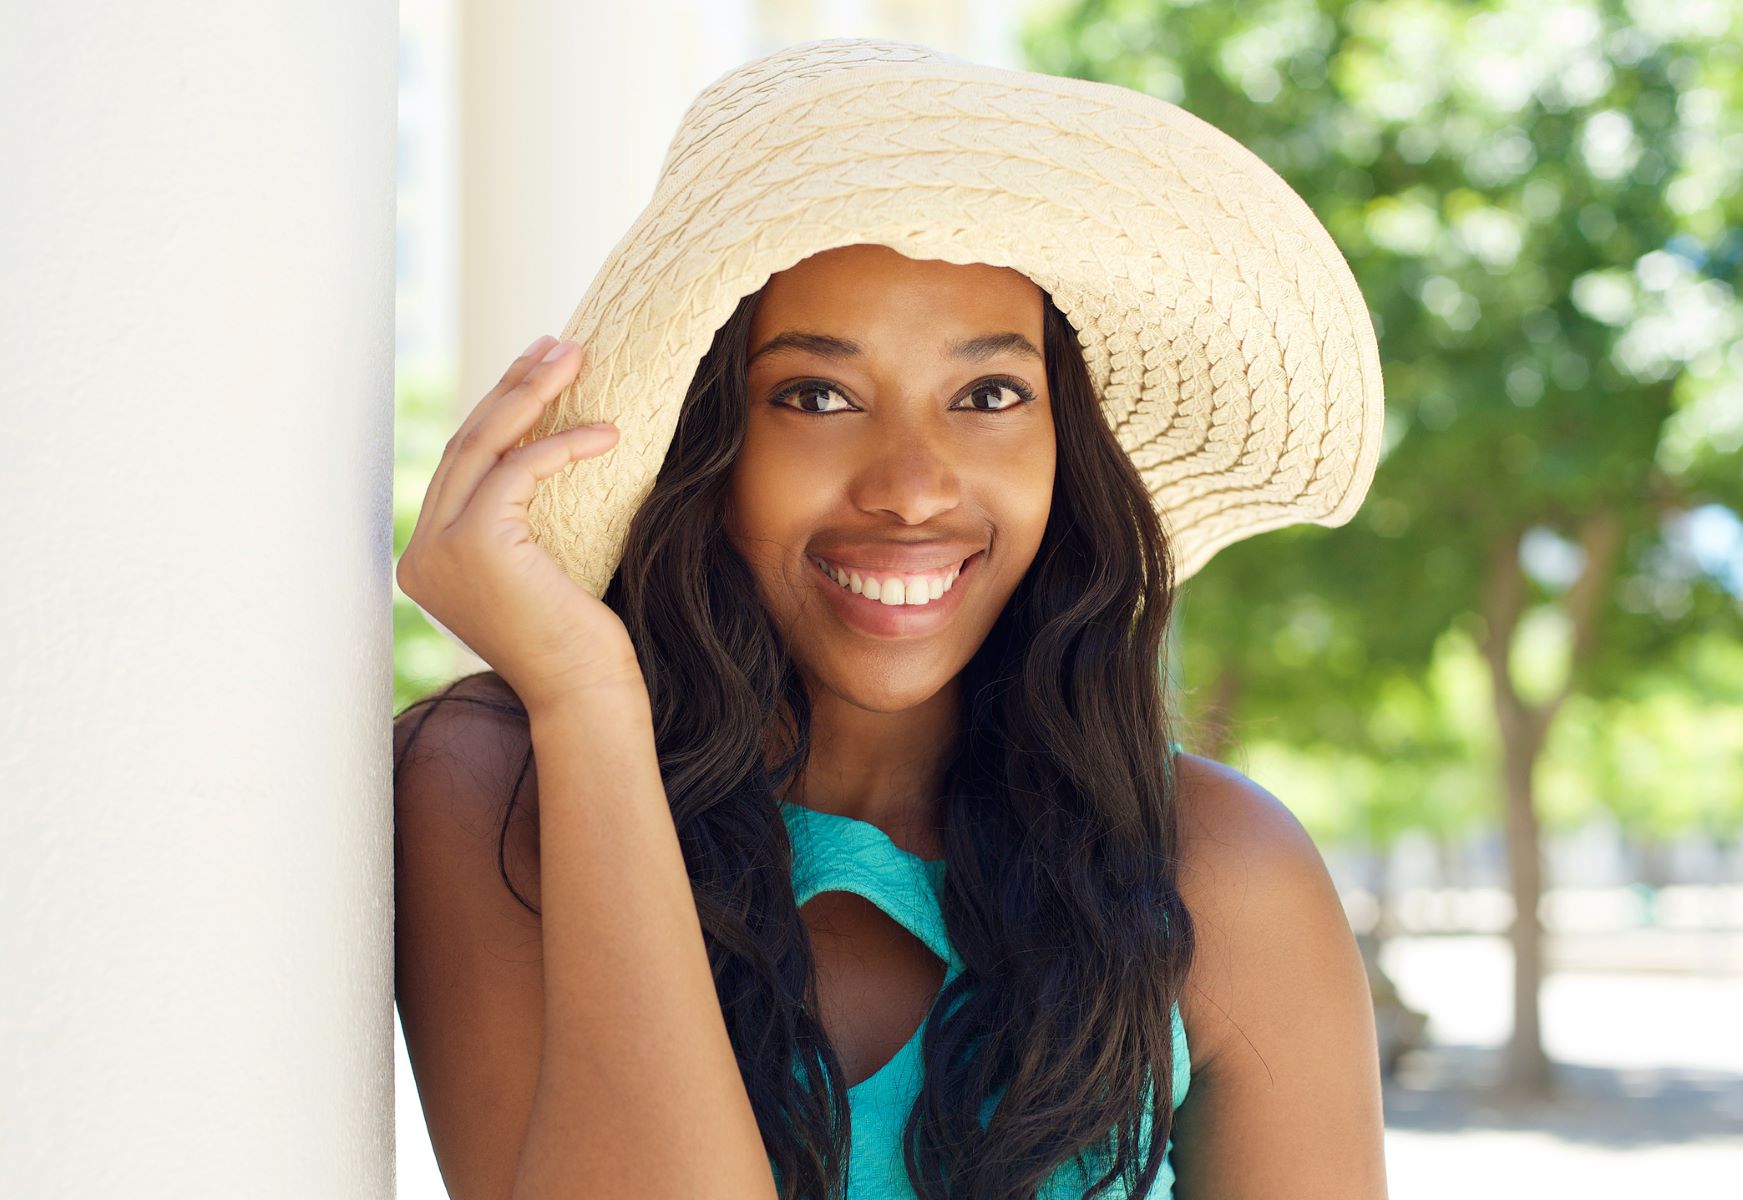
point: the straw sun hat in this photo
(1225, 336)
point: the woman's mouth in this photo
(895, 603)
(916, 588)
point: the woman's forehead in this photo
(871, 287)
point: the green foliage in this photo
(1418, 762)
(1542, 205)
(1662, 761)
(423, 420)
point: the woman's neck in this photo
(885, 768)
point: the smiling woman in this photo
(866, 850)
(903, 482)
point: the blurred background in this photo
(1507, 699)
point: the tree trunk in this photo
(1524, 729)
(1527, 1074)
(1528, 1070)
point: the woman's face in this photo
(899, 428)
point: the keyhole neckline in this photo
(838, 853)
(877, 832)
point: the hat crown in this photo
(1222, 331)
(735, 98)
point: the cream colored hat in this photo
(1225, 336)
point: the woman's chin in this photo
(884, 689)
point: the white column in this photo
(196, 370)
(566, 110)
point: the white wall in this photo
(196, 356)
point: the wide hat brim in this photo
(1225, 336)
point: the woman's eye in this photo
(807, 396)
(992, 387)
(803, 390)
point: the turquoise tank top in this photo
(837, 853)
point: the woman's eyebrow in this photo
(975, 349)
(821, 344)
(989, 345)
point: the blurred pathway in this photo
(1650, 1063)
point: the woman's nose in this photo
(910, 478)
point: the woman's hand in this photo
(471, 562)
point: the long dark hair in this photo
(1058, 820)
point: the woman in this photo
(856, 854)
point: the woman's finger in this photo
(498, 428)
(511, 481)
(511, 378)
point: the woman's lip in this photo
(886, 572)
(877, 619)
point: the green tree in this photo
(424, 417)
(1540, 203)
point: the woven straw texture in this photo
(1225, 335)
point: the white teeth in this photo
(893, 589)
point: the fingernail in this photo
(556, 351)
(536, 344)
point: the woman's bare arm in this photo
(1285, 1098)
(639, 1091)
(582, 1054)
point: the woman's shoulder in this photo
(476, 721)
(1279, 1017)
(462, 758)
(1244, 857)
(1222, 808)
